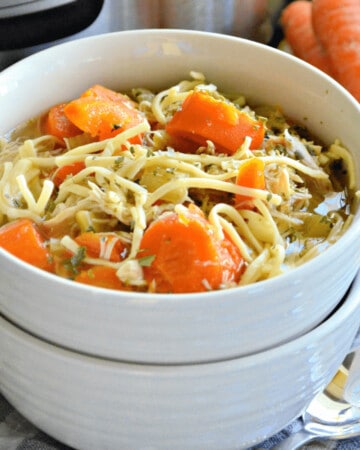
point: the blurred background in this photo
(27, 26)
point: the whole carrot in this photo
(337, 26)
(296, 21)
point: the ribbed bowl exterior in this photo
(92, 404)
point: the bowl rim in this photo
(174, 32)
(347, 308)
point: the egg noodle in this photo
(305, 207)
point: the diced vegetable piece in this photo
(104, 113)
(101, 92)
(57, 124)
(23, 239)
(101, 245)
(63, 172)
(187, 256)
(101, 276)
(251, 174)
(202, 118)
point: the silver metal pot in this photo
(252, 19)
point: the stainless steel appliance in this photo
(27, 26)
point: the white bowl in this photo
(192, 327)
(96, 404)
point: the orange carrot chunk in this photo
(202, 118)
(186, 256)
(104, 113)
(102, 245)
(101, 276)
(101, 118)
(23, 239)
(103, 93)
(296, 20)
(250, 174)
(337, 26)
(63, 172)
(57, 124)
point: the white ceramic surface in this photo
(195, 327)
(97, 404)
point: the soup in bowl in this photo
(161, 207)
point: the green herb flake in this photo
(18, 203)
(73, 263)
(117, 163)
(50, 207)
(146, 261)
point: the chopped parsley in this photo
(117, 163)
(73, 264)
(146, 261)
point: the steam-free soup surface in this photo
(185, 190)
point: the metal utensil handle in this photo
(296, 440)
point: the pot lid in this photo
(12, 8)
(26, 23)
